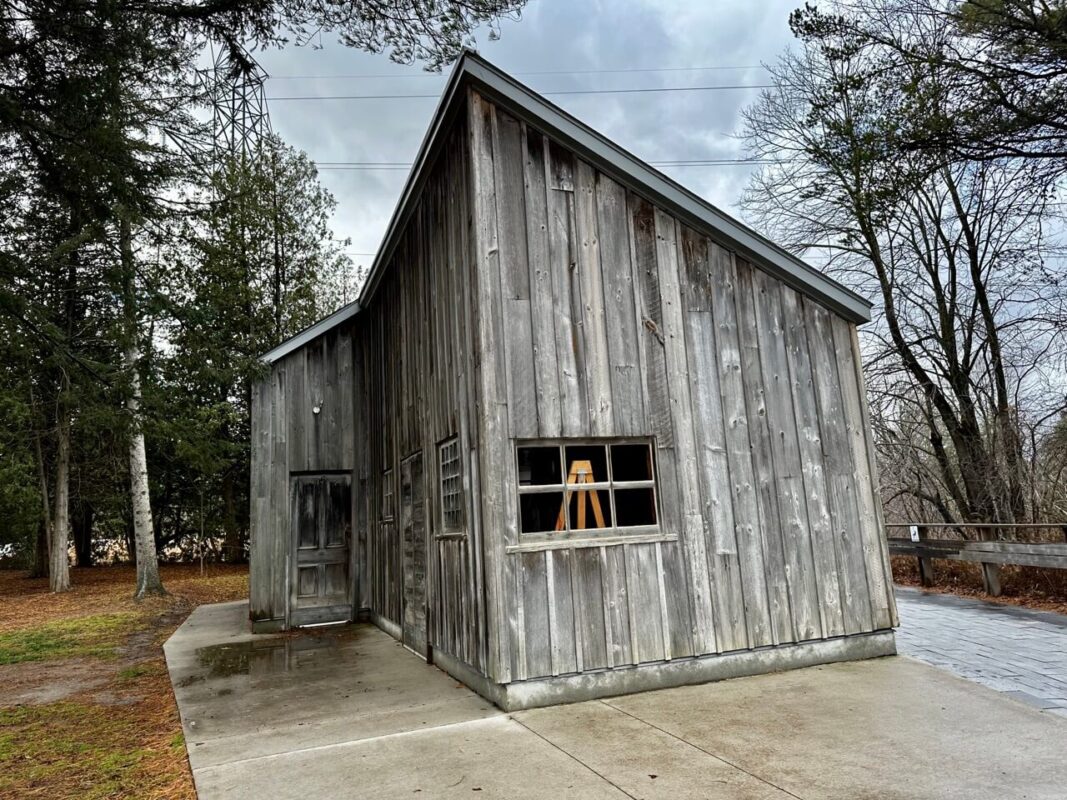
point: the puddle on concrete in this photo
(261, 658)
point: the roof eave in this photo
(311, 332)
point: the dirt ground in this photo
(86, 708)
(1043, 589)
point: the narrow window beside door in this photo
(451, 486)
(586, 488)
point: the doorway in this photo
(319, 584)
(413, 543)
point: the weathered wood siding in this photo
(604, 316)
(287, 437)
(415, 363)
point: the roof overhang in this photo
(311, 332)
(472, 71)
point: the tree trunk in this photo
(59, 570)
(82, 526)
(39, 567)
(148, 581)
(43, 549)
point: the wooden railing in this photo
(996, 544)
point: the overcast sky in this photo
(552, 35)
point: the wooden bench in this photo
(991, 554)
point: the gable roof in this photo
(473, 71)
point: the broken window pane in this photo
(540, 512)
(631, 462)
(539, 466)
(635, 507)
(587, 463)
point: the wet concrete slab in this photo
(349, 713)
(243, 696)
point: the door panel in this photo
(322, 532)
(413, 532)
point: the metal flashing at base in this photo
(268, 625)
(685, 671)
(668, 674)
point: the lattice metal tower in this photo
(241, 120)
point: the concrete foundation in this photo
(349, 713)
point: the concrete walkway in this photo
(350, 714)
(1015, 651)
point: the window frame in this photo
(460, 526)
(589, 536)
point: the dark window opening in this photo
(635, 507)
(539, 466)
(586, 486)
(540, 513)
(631, 462)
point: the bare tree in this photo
(967, 345)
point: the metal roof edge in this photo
(313, 331)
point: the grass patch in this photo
(94, 636)
(83, 750)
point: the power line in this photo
(398, 165)
(361, 76)
(647, 90)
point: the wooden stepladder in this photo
(581, 472)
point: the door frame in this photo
(331, 614)
(423, 645)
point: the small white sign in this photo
(914, 529)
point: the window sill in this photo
(534, 545)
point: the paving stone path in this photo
(1016, 651)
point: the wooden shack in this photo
(582, 433)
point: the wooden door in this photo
(319, 584)
(413, 539)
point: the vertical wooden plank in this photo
(785, 456)
(494, 451)
(805, 406)
(260, 575)
(314, 387)
(536, 605)
(692, 535)
(279, 488)
(646, 619)
(770, 525)
(620, 317)
(589, 604)
(713, 471)
(558, 565)
(543, 315)
(299, 410)
(677, 613)
(563, 259)
(844, 512)
(738, 453)
(649, 317)
(597, 374)
(616, 606)
(514, 274)
(879, 577)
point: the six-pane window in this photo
(586, 486)
(451, 486)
